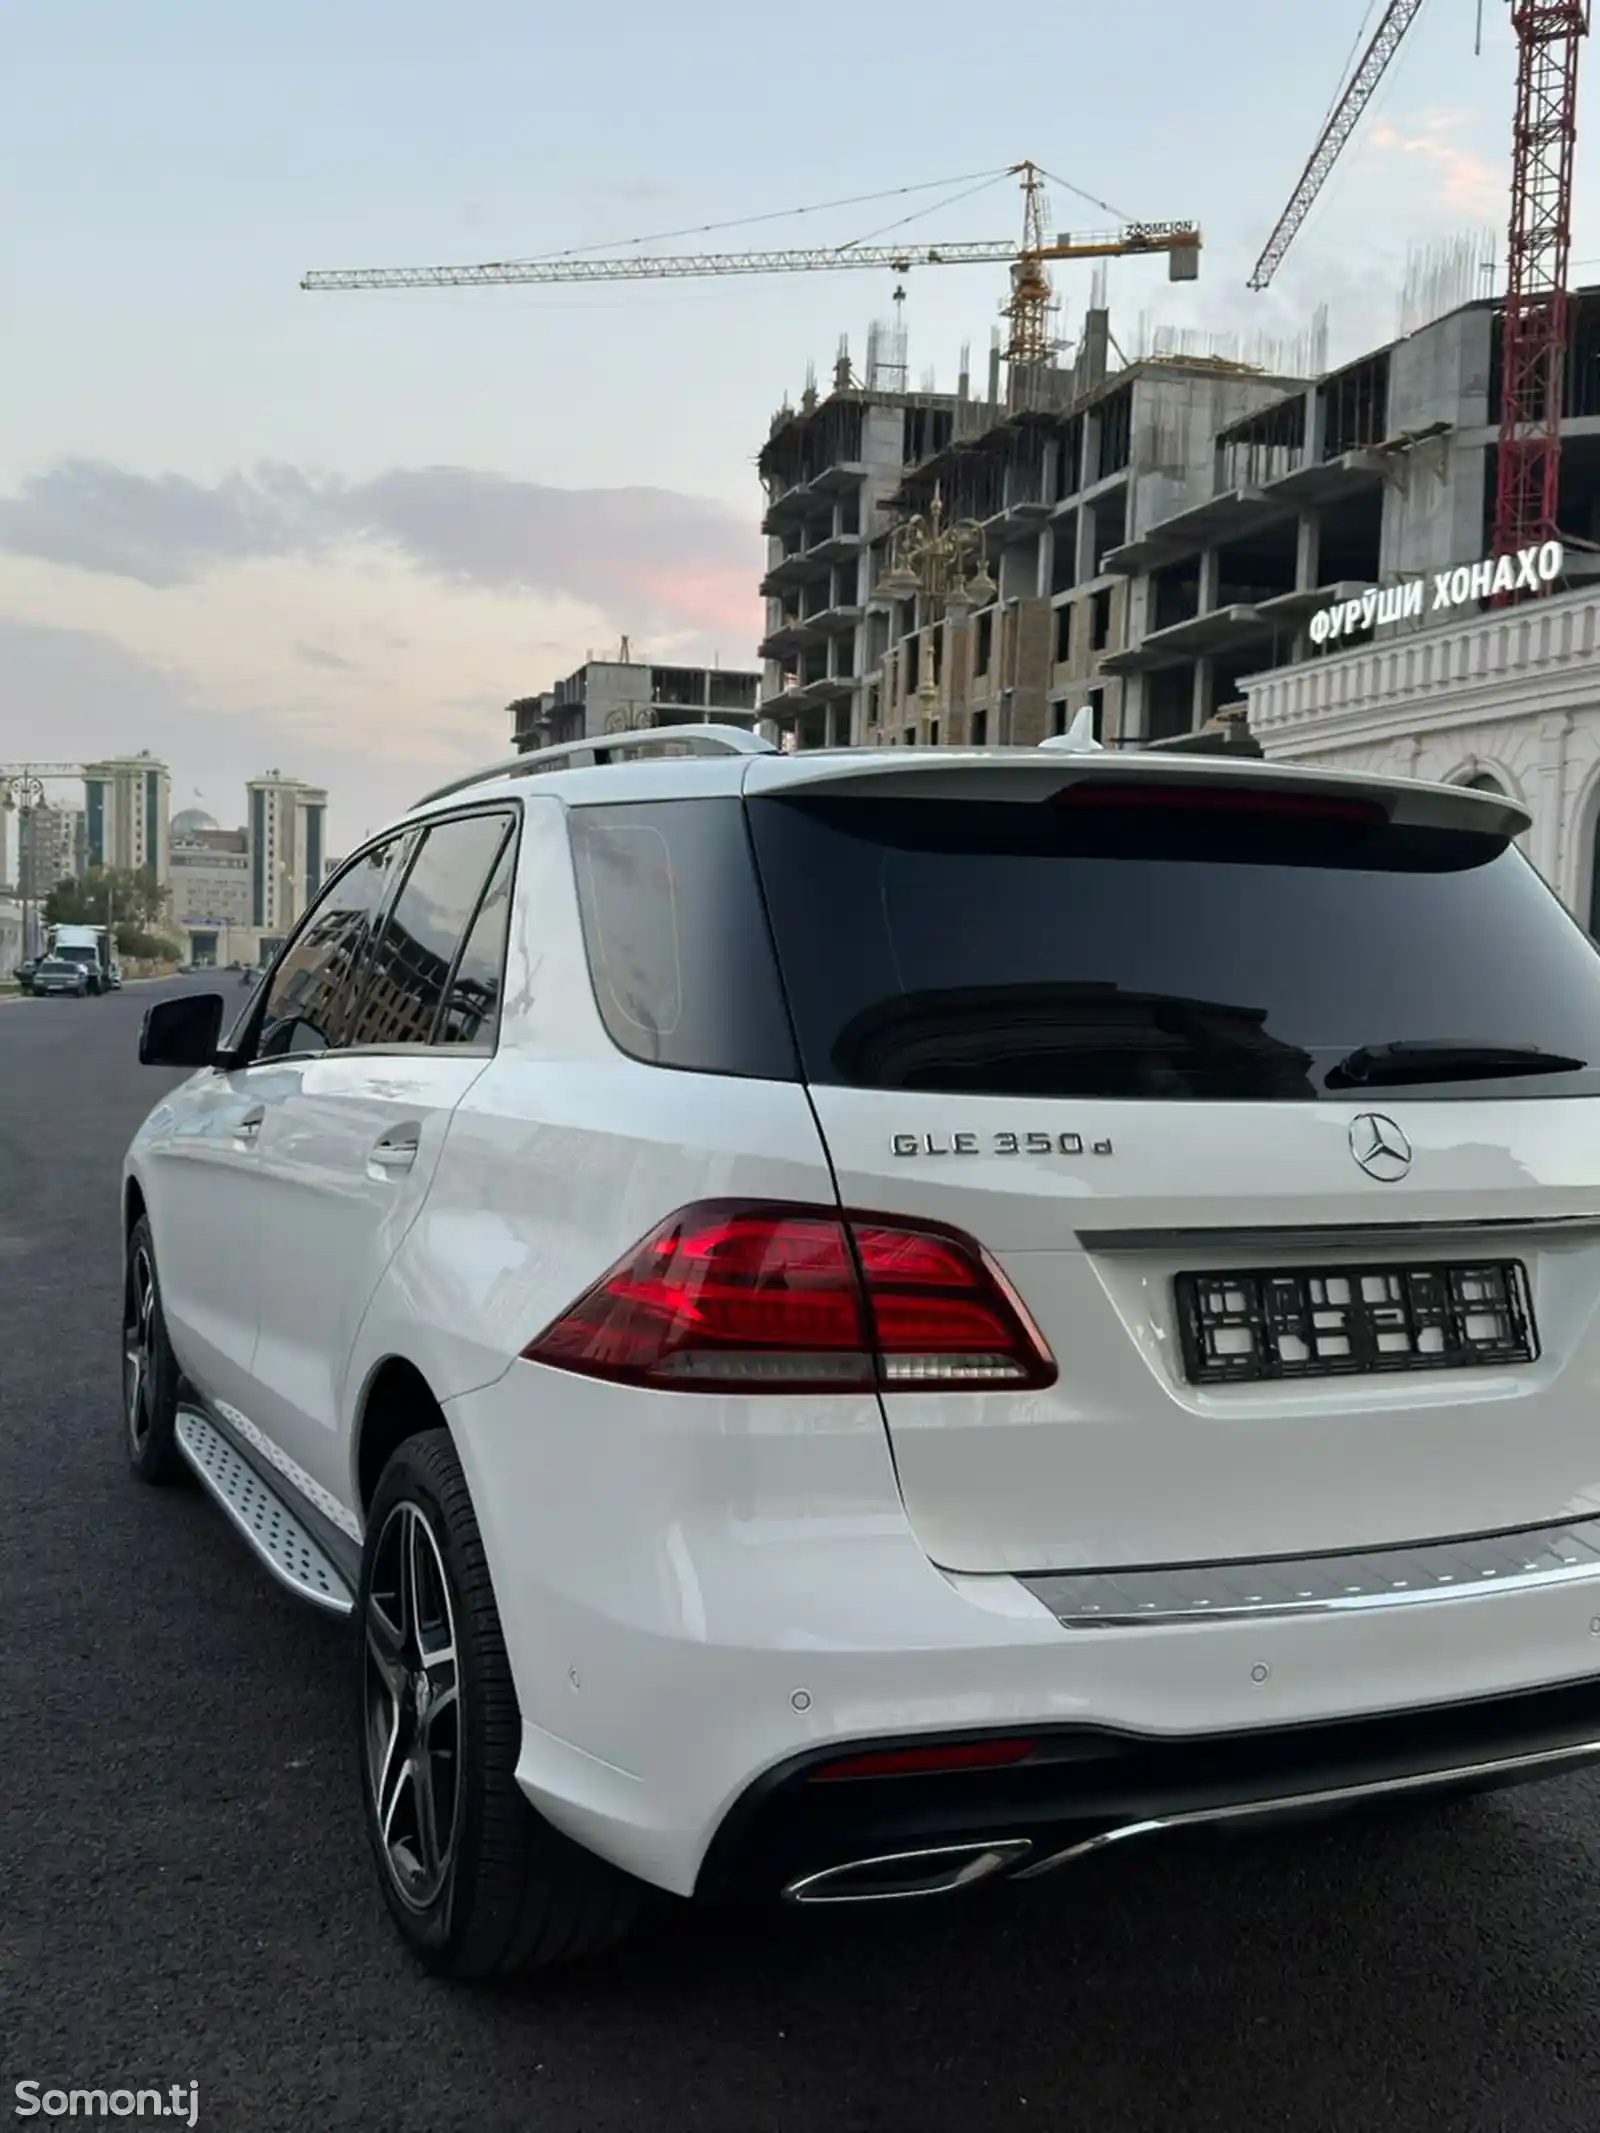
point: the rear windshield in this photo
(1033, 948)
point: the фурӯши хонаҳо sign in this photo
(1530, 570)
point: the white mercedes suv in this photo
(847, 1323)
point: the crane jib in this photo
(1177, 237)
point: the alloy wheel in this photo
(412, 1681)
(138, 1334)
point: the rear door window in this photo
(1170, 951)
(414, 956)
(471, 1013)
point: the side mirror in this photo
(186, 1032)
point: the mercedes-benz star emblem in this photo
(1380, 1147)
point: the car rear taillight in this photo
(727, 1296)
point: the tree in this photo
(146, 947)
(104, 894)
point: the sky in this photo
(250, 528)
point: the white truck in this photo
(92, 947)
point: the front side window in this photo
(411, 965)
(315, 988)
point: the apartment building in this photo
(610, 696)
(287, 848)
(50, 849)
(126, 805)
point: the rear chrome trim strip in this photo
(1552, 1760)
(1428, 1572)
(1293, 1236)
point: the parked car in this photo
(853, 1322)
(25, 971)
(55, 974)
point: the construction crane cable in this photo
(779, 214)
(1093, 199)
(917, 214)
(1349, 63)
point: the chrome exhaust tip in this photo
(900, 1874)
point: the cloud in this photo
(366, 635)
(96, 697)
(650, 560)
(1464, 181)
(315, 655)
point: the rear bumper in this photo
(1086, 1788)
(700, 1603)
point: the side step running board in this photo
(262, 1516)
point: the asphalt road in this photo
(185, 1895)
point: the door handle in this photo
(395, 1152)
(246, 1128)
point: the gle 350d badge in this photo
(997, 1144)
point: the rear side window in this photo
(1170, 951)
(416, 953)
(679, 950)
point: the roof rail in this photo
(711, 739)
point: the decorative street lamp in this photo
(930, 560)
(22, 794)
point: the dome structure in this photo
(190, 819)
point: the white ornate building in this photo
(1507, 699)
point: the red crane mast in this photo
(1535, 332)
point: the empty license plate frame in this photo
(1265, 1325)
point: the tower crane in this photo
(1535, 328)
(1398, 17)
(1028, 309)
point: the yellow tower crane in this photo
(1028, 309)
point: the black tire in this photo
(150, 1374)
(502, 1890)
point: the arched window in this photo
(1483, 782)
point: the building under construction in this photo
(1154, 532)
(1375, 477)
(1045, 477)
(607, 696)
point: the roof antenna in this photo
(1079, 737)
